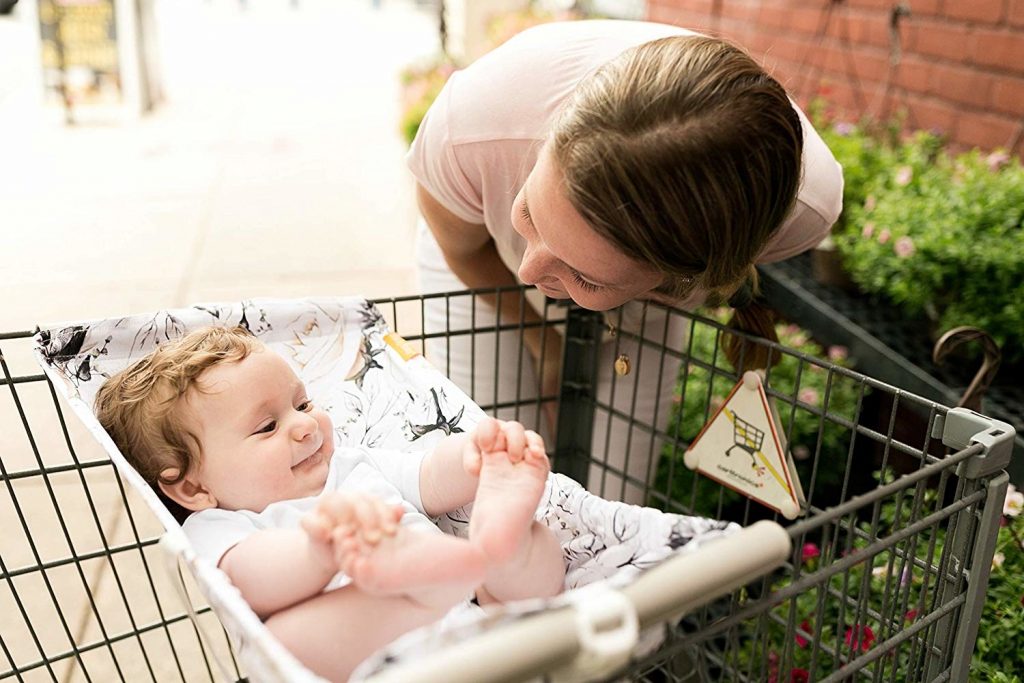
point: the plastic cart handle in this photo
(552, 641)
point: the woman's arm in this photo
(473, 257)
(277, 568)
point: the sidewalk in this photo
(275, 168)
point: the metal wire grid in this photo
(896, 556)
(67, 629)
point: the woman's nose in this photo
(537, 265)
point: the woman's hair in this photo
(140, 407)
(686, 155)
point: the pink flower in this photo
(904, 247)
(843, 128)
(869, 203)
(799, 676)
(884, 236)
(801, 452)
(1014, 503)
(868, 231)
(904, 175)
(860, 637)
(910, 615)
(809, 552)
(805, 626)
(838, 353)
(996, 160)
(809, 395)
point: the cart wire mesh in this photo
(890, 563)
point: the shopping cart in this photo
(886, 580)
(746, 437)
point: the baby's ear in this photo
(187, 491)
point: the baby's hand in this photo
(345, 521)
(493, 436)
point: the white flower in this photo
(997, 560)
(1014, 503)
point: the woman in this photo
(612, 162)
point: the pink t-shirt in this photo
(480, 139)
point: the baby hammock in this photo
(625, 578)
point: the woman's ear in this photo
(186, 491)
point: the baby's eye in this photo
(267, 428)
(305, 406)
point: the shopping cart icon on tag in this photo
(745, 436)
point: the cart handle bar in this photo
(549, 641)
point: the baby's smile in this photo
(314, 458)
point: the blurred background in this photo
(270, 162)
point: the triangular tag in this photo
(742, 447)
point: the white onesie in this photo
(391, 475)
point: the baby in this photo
(332, 548)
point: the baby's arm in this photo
(277, 568)
(449, 475)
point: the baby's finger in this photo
(472, 460)
(535, 442)
(515, 436)
(338, 509)
(368, 519)
(316, 526)
(486, 434)
(388, 514)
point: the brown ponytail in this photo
(750, 315)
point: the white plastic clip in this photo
(607, 629)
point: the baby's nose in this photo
(304, 427)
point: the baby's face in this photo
(262, 439)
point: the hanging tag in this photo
(742, 447)
(622, 365)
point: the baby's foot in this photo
(513, 470)
(383, 558)
(430, 567)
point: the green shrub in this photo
(944, 236)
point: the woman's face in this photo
(564, 256)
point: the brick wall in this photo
(960, 65)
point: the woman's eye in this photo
(267, 428)
(589, 286)
(524, 210)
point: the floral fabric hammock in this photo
(377, 396)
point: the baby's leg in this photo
(333, 632)
(525, 557)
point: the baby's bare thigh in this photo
(333, 632)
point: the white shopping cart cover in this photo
(378, 394)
